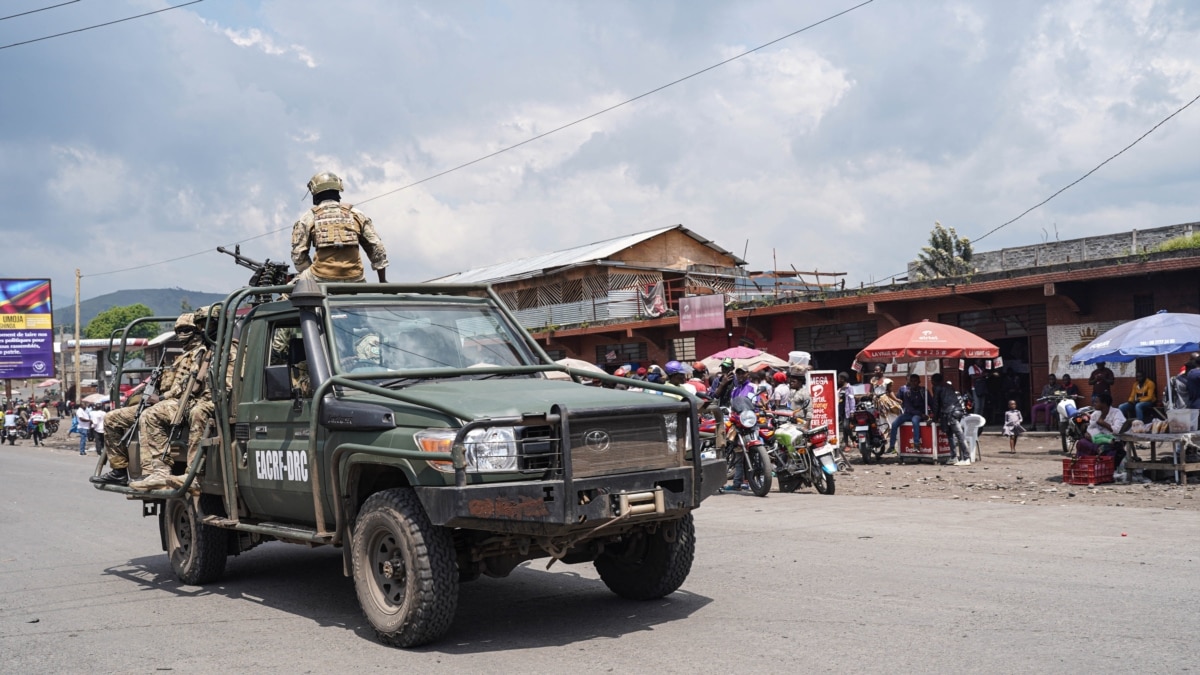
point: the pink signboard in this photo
(702, 312)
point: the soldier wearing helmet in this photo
(169, 387)
(154, 427)
(335, 231)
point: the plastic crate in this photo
(1087, 470)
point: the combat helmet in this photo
(186, 321)
(323, 182)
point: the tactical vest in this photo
(333, 226)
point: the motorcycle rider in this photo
(947, 410)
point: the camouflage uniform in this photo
(116, 423)
(155, 423)
(336, 231)
(203, 411)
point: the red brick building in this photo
(1039, 304)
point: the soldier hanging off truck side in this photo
(336, 231)
(120, 422)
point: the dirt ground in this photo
(1033, 476)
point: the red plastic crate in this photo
(1088, 470)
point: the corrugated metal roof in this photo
(540, 264)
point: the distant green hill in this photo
(164, 302)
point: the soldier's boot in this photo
(153, 479)
(114, 477)
(175, 482)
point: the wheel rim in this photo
(182, 536)
(389, 570)
(758, 473)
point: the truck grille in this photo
(602, 446)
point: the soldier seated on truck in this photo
(155, 424)
(204, 409)
(118, 422)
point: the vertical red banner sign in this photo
(822, 386)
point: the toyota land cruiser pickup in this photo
(423, 431)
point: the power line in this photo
(35, 11)
(1066, 187)
(99, 25)
(1097, 168)
(618, 105)
(524, 142)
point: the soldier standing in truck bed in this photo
(336, 231)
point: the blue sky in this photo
(835, 149)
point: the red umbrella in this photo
(926, 341)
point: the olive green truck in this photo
(423, 431)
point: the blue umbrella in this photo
(1158, 334)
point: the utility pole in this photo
(78, 381)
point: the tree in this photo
(947, 255)
(115, 318)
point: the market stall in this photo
(1180, 443)
(924, 342)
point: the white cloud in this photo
(851, 137)
(257, 39)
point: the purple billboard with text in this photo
(26, 329)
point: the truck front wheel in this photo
(647, 566)
(197, 551)
(405, 572)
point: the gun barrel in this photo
(240, 259)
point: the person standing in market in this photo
(37, 420)
(948, 412)
(335, 231)
(1101, 379)
(83, 422)
(98, 429)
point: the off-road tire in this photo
(405, 574)
(647, 566)
(197, 551)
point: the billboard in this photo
(822, 386)
(701, 312)
(26, 329)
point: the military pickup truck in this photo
(421, 429)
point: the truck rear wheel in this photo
(647, 566)
(405, 574)
(197, 551)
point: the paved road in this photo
(789, 583)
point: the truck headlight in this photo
(491, 449)
(436, 440)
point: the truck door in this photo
(274, 470)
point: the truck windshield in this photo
(391, 338)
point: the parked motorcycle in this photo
(1075, 428)
(747, 447)
(803, 458)
(1066, 412)
(869, 433)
